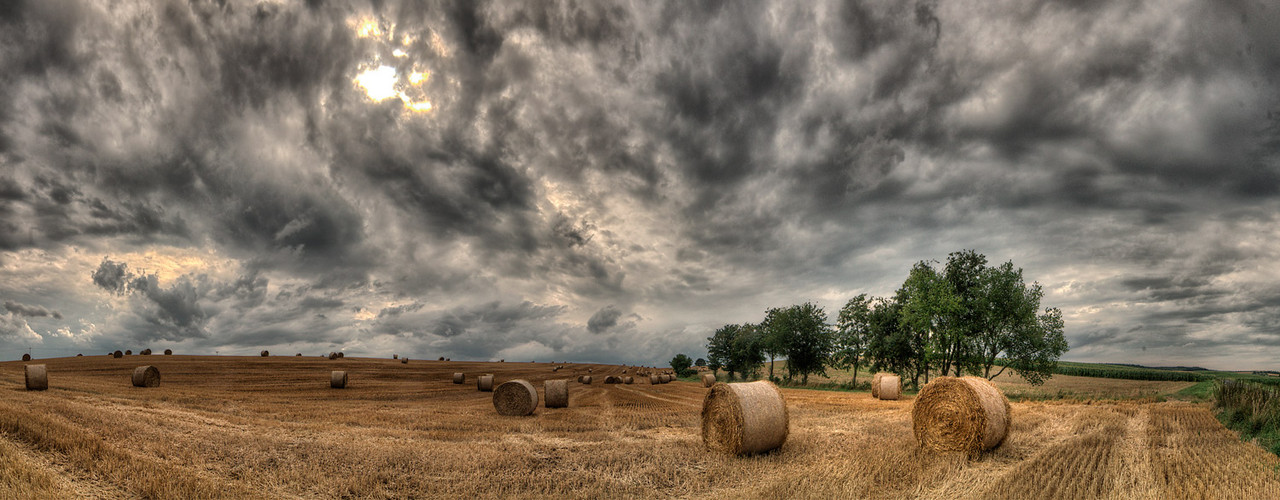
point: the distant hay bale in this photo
(441, 358)
(448, 359)
(37, 378)
(145, 352)
(404, 361)
(744, 418)
(338, 379)
(117, 354)
(555, 368)
(80, 355)
(395, 356)
(502, 361)
(298, 355)
(459, 378)
(515, 398)
(666, 378)
(333, 355)
(26, 357)
(628, 380)
(966, 414)
(484, 383)
(875, 383)
(708, 380)
(555, 393)
(654, 379)
(146, 376)
(611, 379)
(264, 353)
(890, 387)
(586, 379)
(169, 352)
(341, 355)
(128, 352)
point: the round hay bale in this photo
(145, 352)
(890, 387)
(447, 359)
(515, 398)
(80, 355)
(26, 357)
(588, 370)
(459, 378)
(404, 361)
(875, 383)
(117, 354)
(555, 368)
(502, 361)
(484, 383)
(966, 414)
(624, 372)
(586, 379)
(628, 380)
(169, 352)
(441, 358)
(395, 356)
(666, 378)
(298, 355)
(333, 355)
(708, 380)
(654, 379)
(612, 380)
(744, 418)
(555, 393)
(146, 376)
(128, 352)
(341, 355)
(338, 379)
(37, 378)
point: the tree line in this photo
(960, 317)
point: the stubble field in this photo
(240, 427)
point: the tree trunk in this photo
(771, 362)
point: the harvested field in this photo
(248, 427)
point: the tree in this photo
(965, 273)
(746, 353)
(808, 345)
(700, 362)
(1033, 353)
(720, 347)
(888, 344)
(777, 332)
(681, 364)
(929, 310)
(1009, 312)
(853, 329)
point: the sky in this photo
(612, 181)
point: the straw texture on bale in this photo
(708, 380)
(744, 418)
(459, 378)
(515, 398)
(333, 355)
(484, 383)
(37, 378)
(966, 414)
(628, 380)
(890, 387)
(586, 379)
(667, 378)
(875, 384)
(117, 354)
(555, 393)
(338, 379)
(146, 376)
(26, 357)
(169, 352)
(654, 379)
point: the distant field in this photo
(250, 427)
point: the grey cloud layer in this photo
(602, 179)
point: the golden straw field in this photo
(253, 427)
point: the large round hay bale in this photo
(37, 378)
(484, 383)
(966, 414)
(146, 376)
(890, 387)
(459, 378)
(555, 393)
(744, 418)
(708, 380)
(875, 383)
(515, 398)
(628, 380)
(333, 355)
(117, 354)
(666, 378)
(169, 352)
(26, 357)
(338, 379)
(586, 379)
(654, 379)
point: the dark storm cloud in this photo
(701, 159)
(30, 311)
(604, 319)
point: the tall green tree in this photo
(929, 311)
(680, 364)
(1033, 353)
(888, 344)
(776, 328)
(720, 347)
(853, 331)
(965, 273)
(808, 346)
(747, 352)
